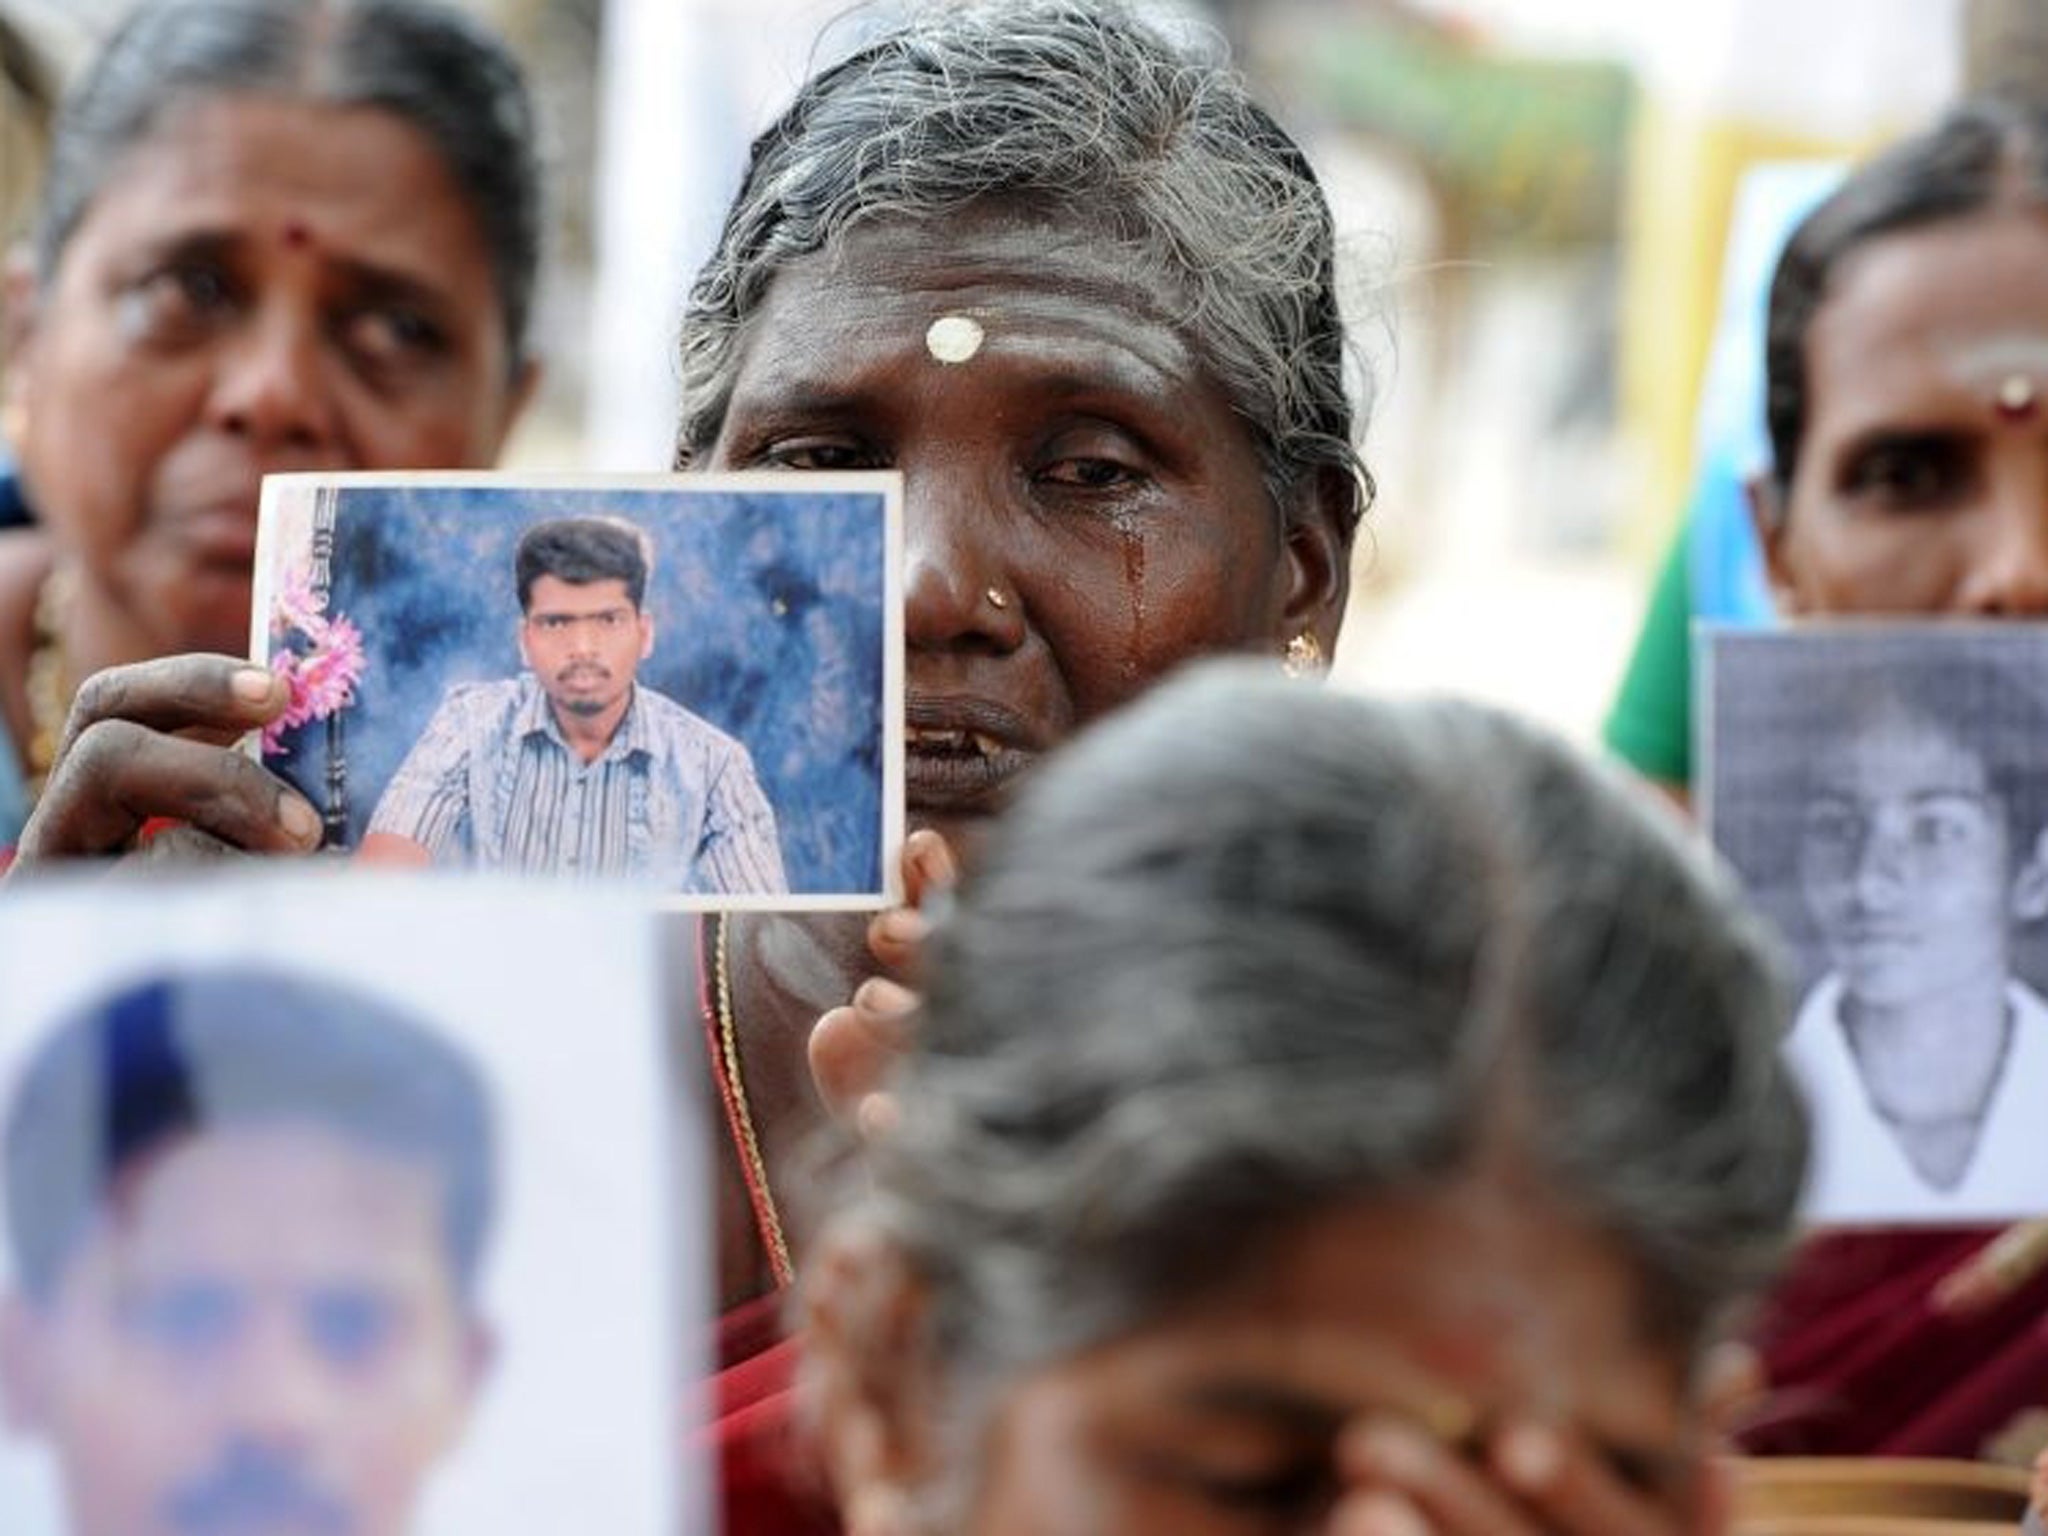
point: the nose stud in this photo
(2016, 397)
(996, 600)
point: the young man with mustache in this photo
(247, 1212)
(574, 767)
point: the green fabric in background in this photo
(1650, 725)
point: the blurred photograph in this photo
(247, 1212)
(289, 1246)
(1883, 791)
(682, 686)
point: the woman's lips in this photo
(960, 755)
(940, 774)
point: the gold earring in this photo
(1304, 656)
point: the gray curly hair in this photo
(1198, 991)
(1086, 111)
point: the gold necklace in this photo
(755, 1166)
(50, 683)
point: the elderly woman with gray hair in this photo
(1055, 266)
(1370, 1137)
(1059, 270)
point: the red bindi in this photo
(297, 235)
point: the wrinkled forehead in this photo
(209, 155)
(1037, 267)
(1092, 260)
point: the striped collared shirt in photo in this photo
(673, 801)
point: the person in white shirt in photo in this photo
(575, 766)
(1921, 849)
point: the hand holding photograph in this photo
(686, 683)
(1883, 792)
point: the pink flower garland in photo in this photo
(321, 668)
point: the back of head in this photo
(1076, 110)
(1253, 949)
(198, 1050)
(1986, 154)
(424, 61)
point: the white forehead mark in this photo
(954, 338)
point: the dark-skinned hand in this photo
(154, 743)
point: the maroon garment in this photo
(768, 1486)
(1860, 1361)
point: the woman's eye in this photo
(390, 335)
(1284, 1492)
(1089, 474)
(822, 457)
(178, 300)
(1909, 473)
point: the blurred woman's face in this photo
(1268, 1407)
(1084, 506)
(1922, 482)
(261, 285)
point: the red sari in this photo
(1863, 1358)
(770, 1488)
(768, 1485)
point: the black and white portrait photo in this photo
(1883, 793)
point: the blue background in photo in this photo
(769, 624)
